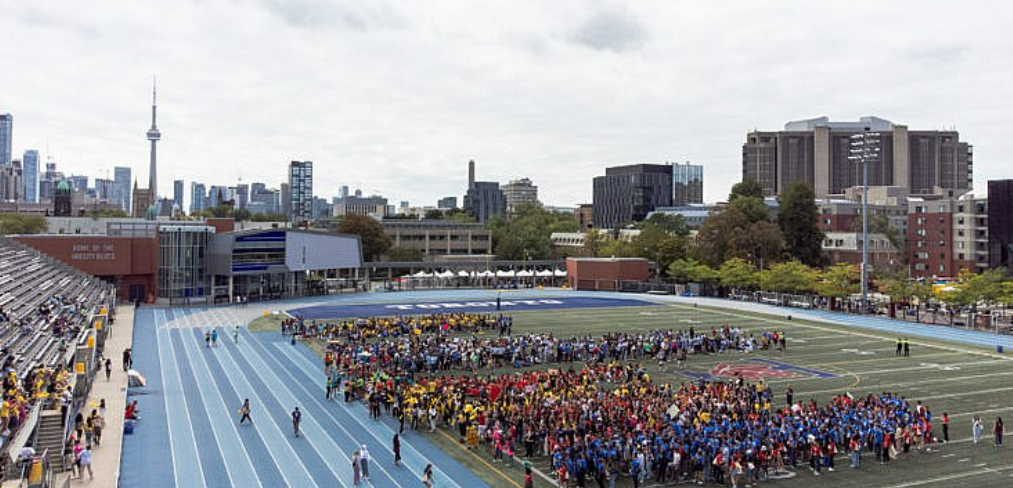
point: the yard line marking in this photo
(920, 382)
(962, 394)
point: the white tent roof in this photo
(505, 274)
(544, 272)
(463, 274)
(559, 272)
(486, 274)
(525, 273)
(447, 274)
(422, 274)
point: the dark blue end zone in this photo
(505, 305)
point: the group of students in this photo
(603, 417)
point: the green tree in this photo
(105, 212)
(670, 224)
(788, 277)
(838, 281)
(738, 273)
(269, 217)
(433, 214)
(370, 232)
(527, 233)
(459, 215)
(799, 218)
(404, 254)
(14, 223)
(691, 271)
(594, 242)
(747, 197)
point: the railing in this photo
(25, 430)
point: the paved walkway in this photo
(106, 458)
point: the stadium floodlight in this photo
(865, 148)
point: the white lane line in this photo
(294, 471)
(313, 433)
(884, 371)
(187, 466)
(239, 465)
(296, 357)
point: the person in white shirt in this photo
(364, 462)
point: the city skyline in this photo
(554, 94)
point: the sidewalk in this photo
(106, 458)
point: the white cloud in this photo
(396, 97)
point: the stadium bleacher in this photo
(45, 307)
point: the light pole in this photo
(865, 148)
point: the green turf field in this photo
(959, 379)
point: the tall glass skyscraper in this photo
(687, 184)
(177, 194)
(121, 187)
(30, 174)
(198, 197)
(6, 137)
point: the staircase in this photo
(50, 436)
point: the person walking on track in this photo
(245, 412)
(296, 418)
(397, 450)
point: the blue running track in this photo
(190, 436)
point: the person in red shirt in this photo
(815, 457)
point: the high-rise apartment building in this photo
(78, 182)
(11, 184)
(198, 197)
(300, 181)
(177, 194)
(30, 175)
(817, 152)
(104, 190)
(628, 193)
(1000, 224)
(121, 187)
(520, 192)
(6, 138)
(947, 233)
(687, 184)
(484, 199)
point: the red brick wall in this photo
(937, 241)
(598, 274)
(126, 260)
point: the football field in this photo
(823, 360)
(190, 436)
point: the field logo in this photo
(754, 369)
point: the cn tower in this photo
(153, 135)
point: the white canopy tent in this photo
(560, 273)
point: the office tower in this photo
(78, 182)
(6, 138)
(177, 194)
(121, 187)
(687, 184)
(484, 198)
(30, 175)
(447, 203)
(1000, 224)
(300, 181)
(286, 200)
(520, 192)
(242, 195)
(153, 135)
(344, 191)
(627, 194)
(817, 151)
(104, 190)
(11, 184)
(198, 197)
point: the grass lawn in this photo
(958, 379)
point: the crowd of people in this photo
(591, 410)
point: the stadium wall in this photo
(605, 274)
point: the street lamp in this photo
(865, 148)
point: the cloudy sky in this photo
(395, 98)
